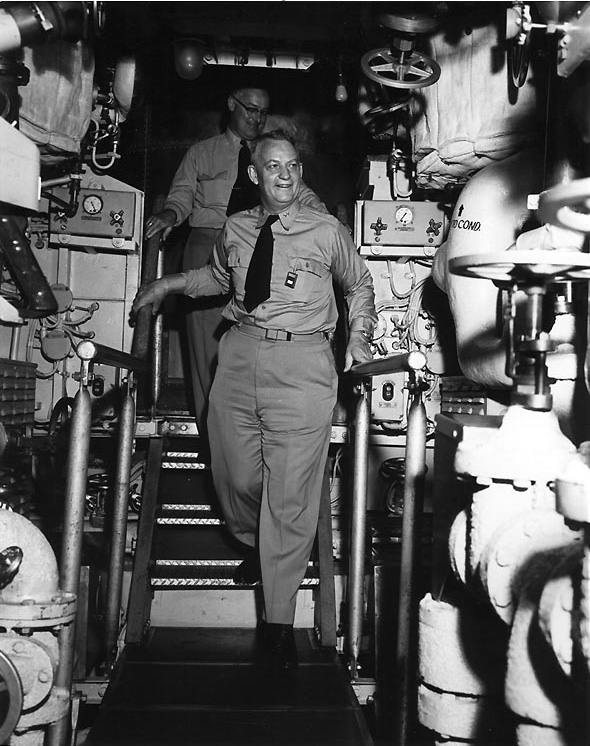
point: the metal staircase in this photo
(209, 685)
(182, 543)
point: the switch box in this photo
(105, 219)
(399, 227)
(389, 397)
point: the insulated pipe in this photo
(119, 526)
(37, 576)
(356, 573)
(72, 535)
(407, 609)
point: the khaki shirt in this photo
(311, 250)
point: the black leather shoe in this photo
(248, 572)
(279, 642)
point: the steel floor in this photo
(206, 686)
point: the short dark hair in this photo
(278, 134)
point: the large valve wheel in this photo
(567, 205)
(417, 70)
(522, 267)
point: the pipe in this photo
(24, 268)
(119, 526)
(87, 350)
(356, 574)
(407, 609)
(397, 363)
(151, 263)
(157, 349)
(14, 343)
(73, 529)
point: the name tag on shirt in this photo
(291, 279)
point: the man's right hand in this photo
(160, 221)
(152, 294)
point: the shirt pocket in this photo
(238, 261)
(214, 189)
(308, 277)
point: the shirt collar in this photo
(232, 137)
(286, 218)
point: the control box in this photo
(389, 397)
(105, 219)
(399, 228)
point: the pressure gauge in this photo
(92, 204)
(404, 216)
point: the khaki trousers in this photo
(270, 417)
(204, 324)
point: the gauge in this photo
(92, 204)
(404, 215)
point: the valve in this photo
(400, 65)
(527, 345)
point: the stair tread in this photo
(204, 571)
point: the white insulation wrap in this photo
(470, 117)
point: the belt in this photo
(279, 335)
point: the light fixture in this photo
(285, 60)
(341, 92)
(189, 57)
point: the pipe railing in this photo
(413, 363)
(96, 353)
(138, 361)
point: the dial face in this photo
(404, 215)
(92, 204)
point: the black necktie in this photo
(258, 276)
(245, 194)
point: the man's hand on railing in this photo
(152, 294)
(358, 349)
(160, 221)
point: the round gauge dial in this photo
(92, 204)
(404, 215)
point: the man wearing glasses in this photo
(210, 184)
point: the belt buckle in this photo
(277, 335)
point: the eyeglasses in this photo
(252, 111)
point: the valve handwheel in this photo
(415, 70)
(567, 205)
(537, 266)
(388, 108)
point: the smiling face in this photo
(248, 109)
(277, 170)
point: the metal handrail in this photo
(403, 361)
(414, 363)
(93, 352)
